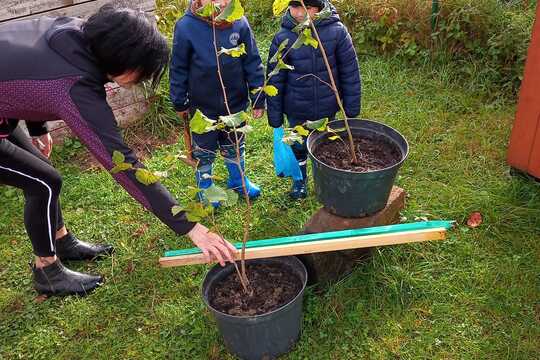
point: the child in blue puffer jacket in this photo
(194, 84)
(303, 97)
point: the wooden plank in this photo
(12, 9)
(331, 235)
(85, 9)
(319, 246)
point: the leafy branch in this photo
(144, 176)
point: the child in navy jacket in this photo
(303, 97)
(195, 85)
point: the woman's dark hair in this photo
(123, 39)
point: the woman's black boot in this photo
(71, 248)
(55, 279)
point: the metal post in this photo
(434, 14)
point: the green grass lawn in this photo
(473, 296)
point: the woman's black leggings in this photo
(24, 167)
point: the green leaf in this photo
(334, 138)
(195, 211)
(245, 129)
(193, 218)
(255, 91)
(146, 177)
(234, 120)
(280, 66)
(200, 124)
(309, 40)
(300, 130)
(215, 194)
(199, 210)
(118, 158)
(319, 125)
(232, 198)
(280, 6)
(232, 12)
(176, 210)
(121, 167)
(234, 52)
(293, 138)
(192, 192)
(271, 90)
(278, 53)
(208, 10)
(284, 66)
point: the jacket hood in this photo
(66, 37)
(196, 4)
(288, 22)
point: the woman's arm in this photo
(92, 120)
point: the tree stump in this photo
(329, 267)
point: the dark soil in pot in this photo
(273, 286)
(373, 153)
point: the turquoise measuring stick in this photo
(388, 229)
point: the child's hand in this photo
(258, 113)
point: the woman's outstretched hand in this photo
(212, 245)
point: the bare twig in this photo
(318, 78)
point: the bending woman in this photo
(56, 68)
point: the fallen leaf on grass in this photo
(41, 298)
(141, 230)
(130, 267)
(475, 220)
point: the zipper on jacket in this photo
(316, 82)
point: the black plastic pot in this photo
(349, 193)
(264, 336)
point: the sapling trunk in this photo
(245, 285)
(237, 146)
(334, 86)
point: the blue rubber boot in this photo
(203, 176)
(299, 187)
(235, 176)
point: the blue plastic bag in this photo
(285, 162)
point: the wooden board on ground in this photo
(319, 246)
